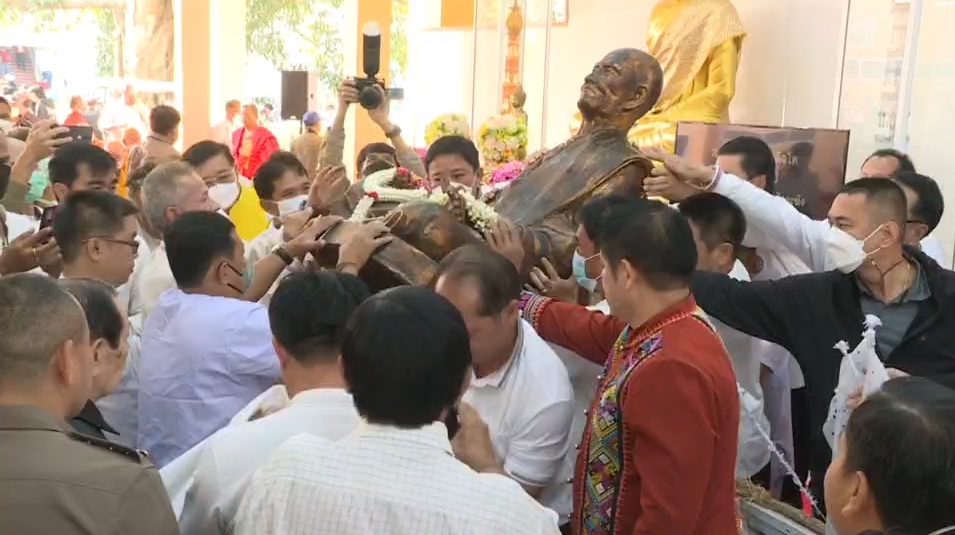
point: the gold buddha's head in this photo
(622, 87)
(518, 98)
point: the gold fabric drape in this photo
(683, 34)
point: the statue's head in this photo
(518, 98)
(623, 87)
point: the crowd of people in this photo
(178, 354)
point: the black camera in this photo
(368, 95)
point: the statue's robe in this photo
(545, 199)
(543, 202)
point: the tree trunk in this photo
(155, 40)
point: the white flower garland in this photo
(378, 182)
(361, 209)
(377, 185)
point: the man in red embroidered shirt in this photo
(658, 454)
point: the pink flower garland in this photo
(507, 172)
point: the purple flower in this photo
(507, 172)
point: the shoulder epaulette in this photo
(131, 453)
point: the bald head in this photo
(622, 87)
(37, 319)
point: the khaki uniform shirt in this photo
(153, 150)
(55, 481)
(308, 148)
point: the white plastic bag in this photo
(860, 368)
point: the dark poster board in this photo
(810, 162)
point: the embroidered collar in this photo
(684, 307)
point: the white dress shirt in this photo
(559, 495)
(384, 481)
(202, 359)
(222, 132)
(772, 223)
(528, 407)
(232, 455)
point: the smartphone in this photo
(452, 422)
(81, 134)
(46, 218)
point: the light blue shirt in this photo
(202, 359)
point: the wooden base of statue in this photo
(778, 517)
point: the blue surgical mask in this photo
(39, 181)
(579, 266)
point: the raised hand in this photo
(546, 281)
(472, 443)
(45, 137)
(361, 243)
(347, 93)
(330, 186)
(505, 238)
(308, 240)
(29, 251)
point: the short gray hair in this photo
(162, 189)
(37, 317)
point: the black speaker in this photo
(298, 94)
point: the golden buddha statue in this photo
(698, 44)
(515, 105)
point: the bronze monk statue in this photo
(544, 200)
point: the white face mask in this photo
(287, 206)
(844, 251)
(225, 195)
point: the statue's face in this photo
(612, 84)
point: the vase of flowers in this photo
(449, 124)
(502, 139)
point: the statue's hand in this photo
(456, 204)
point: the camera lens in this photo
(369, 98)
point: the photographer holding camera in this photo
(373, 156)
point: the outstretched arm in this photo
(589, 333)
(762, 309)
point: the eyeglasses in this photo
(132, 243)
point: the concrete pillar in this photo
(358, 128)
(210, 62)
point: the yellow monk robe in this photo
(698, 44)
(247, 214)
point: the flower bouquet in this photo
(449, 124)
(502, 175)
(502, 139)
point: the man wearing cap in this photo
(308, 146)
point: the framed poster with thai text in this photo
(810, 162)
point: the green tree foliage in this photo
(307, 35)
